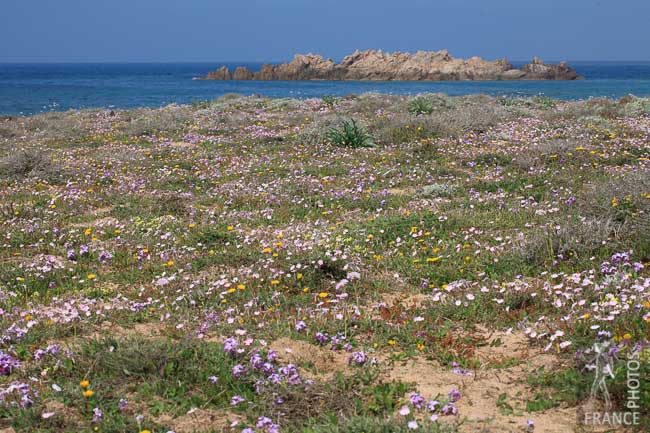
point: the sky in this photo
(274, 30)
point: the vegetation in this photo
(349, 134)
(259, 265)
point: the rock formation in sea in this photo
(380, 66)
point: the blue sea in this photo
(35, 88)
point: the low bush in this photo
(420, 106)
(30, 163)
(637, 107)
(169, 119)
(350, 134)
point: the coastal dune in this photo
(376, 65)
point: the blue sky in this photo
(272, 30)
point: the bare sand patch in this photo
(324, 362)
(100, 222)
(493, 399)
(201, 421)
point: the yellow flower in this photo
(274, 282)
(266, 250)
(230, 228)
(323, 295)
(231, 290)
(84, 384)
(392, 342)
(91, 276)
(305, 290)
(88, 231)
(145, 431)
(89, 393)
(192, 225)
(627, 336)
(614, 202)
(241, 286)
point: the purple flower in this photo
(52, 349)
(432, 405)
(84, 250)
(449, 409)
(607, 268)
(98, 415)
(358, 358)
(337, 340)
(72, 255)
(17, 394)
(457, 370)
(213, 379)
(7, 364)
(230, 346)
(256, 361)
(263, 421)
(300, 326)
(275, 379)
(417, 400)
(619, 258)
(248, 430)
(530, 425)
(122, 404)
(236, 400)
(239, 371)
(321, 337)
(454, 395)
(289, 369)
(272, 356)
(105, 257)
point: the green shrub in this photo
(420, 106)
(349, 134)
(329, 100)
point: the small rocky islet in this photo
(376, 65)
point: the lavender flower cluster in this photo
(7, 364)
(619, 262)
(17, 394)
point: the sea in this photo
(35, 88)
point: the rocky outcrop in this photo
(380, 66)
(223, 73)
(549, 72)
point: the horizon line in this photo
(162, 62)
